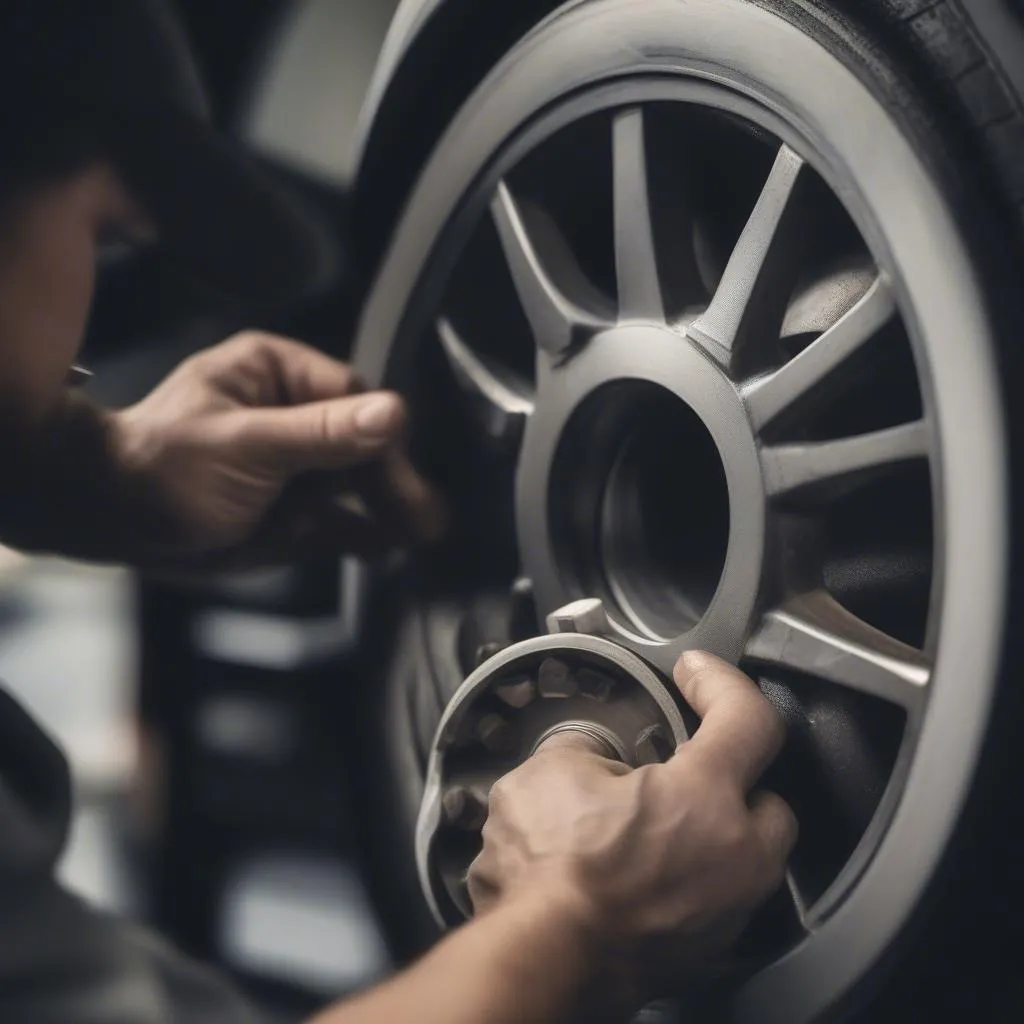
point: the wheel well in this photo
(455, 50)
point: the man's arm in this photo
(257, 451)
(527, 960)
(600, 888)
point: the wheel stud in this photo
(587, 615)
(516, 693)
(464, 807)
(486, 651)
(595, 685)
(494, 733)
(555, 680)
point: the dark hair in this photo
(41, 135)
(57, 92)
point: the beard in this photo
(60, 482)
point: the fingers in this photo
(740, 732)
(282, 371)
(482, 889)
(400, 498)
(333, 527)
(776, 828)
(327, 435)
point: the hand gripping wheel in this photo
(572, 679)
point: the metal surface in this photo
(587, 615)
(766, 607)
(637, 722)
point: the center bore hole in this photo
(657, 510)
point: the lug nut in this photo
(555, 679)
(486, 651)
(595, 685)
(516, 693)
(494, 733)
(652, 746)
(464, 808)
(584, 616)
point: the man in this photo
(598, 887)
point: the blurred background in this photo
(198, 719)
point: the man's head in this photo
(50, 234)
(104, 130)
(114, 80)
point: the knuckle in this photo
(325, 426)
(789, 827)
(251, 340)
(248, 345)
(736, 838)
(498, 797)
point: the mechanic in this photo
(598, 887)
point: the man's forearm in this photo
(524, 961)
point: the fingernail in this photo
(377, 415)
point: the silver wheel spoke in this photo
(498, 400)
(768, 397)
(744, 286)
(794, 467)
(557, 321)
(635, 263)
(815, 635)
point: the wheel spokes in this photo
(557, 320)
(795, 467)
(635, 262)
(770, 396)
(815, 635)
(499, 401)
(752, 288)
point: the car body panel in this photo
(409, 18)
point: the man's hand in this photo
(661, 866)
(262, 449)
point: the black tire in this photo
(925, 73)
(938, 46)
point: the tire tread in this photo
(969, 77)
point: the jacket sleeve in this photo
(63, 962)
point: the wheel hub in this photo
(636, 415)
(571, 681)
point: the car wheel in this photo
(699, 313)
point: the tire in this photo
(894, 146)
(979, 112)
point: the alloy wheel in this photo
(678, 363)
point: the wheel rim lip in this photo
(670, 361)
(942, 304)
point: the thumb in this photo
(324, 435)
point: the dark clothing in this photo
(61, 961)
